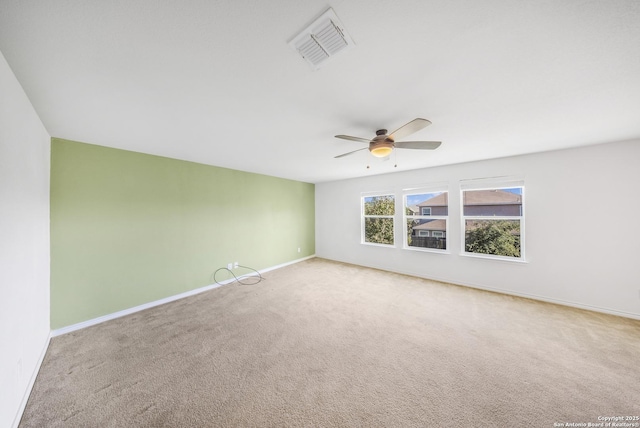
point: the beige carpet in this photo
(327, 344)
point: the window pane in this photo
(378, 230)
(493, 202)
(435, 203)
(427, 233)
(379, 205)
(496, 237)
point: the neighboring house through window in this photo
(426, 226)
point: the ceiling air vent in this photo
(321, 40)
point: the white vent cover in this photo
(323, 39)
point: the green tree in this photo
(497, 237)
(410, 225)
(379, 230)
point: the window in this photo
(377, 219)
(493, 221)
(425, 219)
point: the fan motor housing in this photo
(381, 145)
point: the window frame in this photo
(364, 217)
(438, 188)
(521, 218)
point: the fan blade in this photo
(347, 154)
(418, 145)
(405, 130)
(349, 137)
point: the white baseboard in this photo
(502, 291)
(287, 264)
(32, 381)
(109, 317)
(129, 311)
(549, 300)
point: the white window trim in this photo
(364, 216)
(425, 208)
(506, 184)
(440, 188)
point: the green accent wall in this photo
(129, 228)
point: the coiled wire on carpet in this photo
(237, 279)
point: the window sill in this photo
(495, 258)
(373, 244)
(426, 250)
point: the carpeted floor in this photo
(327, 344)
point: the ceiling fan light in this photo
(381, 151)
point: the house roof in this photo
(437, 201)
(432, 225)
(491, 197)
(216, 82)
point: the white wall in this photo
(582, 229)
(24, 245)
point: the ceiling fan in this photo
(382, 144)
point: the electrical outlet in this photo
(235, 265)
(298, 249)
(229, 266)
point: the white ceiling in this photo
(215, 82)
